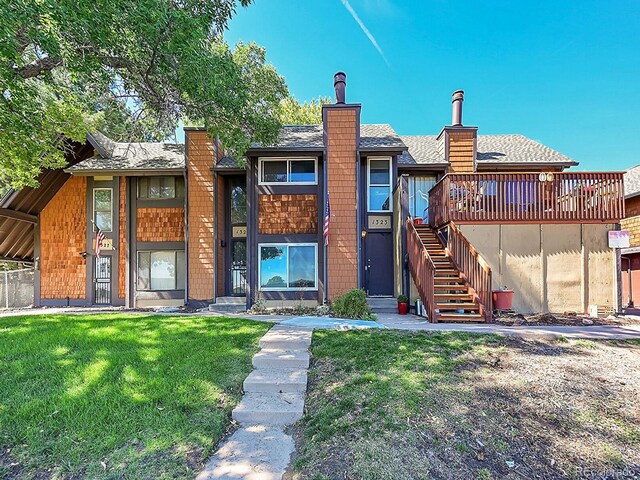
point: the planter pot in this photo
(417, 221)
(403, 308)
(502, 299)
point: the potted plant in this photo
(417, 221)
(403, 304)
(502, 299)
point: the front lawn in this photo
(118, 396)
(397, 406)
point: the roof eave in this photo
(254, 152)
(423, 166)
(129, 172)
(485, 163)
(383, 150)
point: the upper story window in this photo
(379, 184)
(160, 188)
(300, 171)
(103, 208)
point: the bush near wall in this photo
(353, 304)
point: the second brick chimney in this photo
(460, 142)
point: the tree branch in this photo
(38, 67)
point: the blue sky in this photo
(565, 73)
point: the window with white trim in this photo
(103, 208)
(379, 184)
(292, 266)
(161, 270)
(299, 171)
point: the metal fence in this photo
(16, 288)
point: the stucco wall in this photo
(551, 268)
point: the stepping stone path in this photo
(273, 398)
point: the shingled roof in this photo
(492, 149)
(311, 137)
(632, 182)
(130, 157)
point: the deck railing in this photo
(473, 267)
(422, 270)
(527, 198)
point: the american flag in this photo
(327, 221)
(99, 239)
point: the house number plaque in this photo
(379, 222)
(105, 244)
(239, 231)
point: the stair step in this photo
(453, 296)
(448, 280)
(269, 358)
(276, 380)
(460, 317)
(269, 408)
(285, 340)
(457, 306)
(452, 287)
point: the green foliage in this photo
(134, 69)
(403, 299)
(292, 112)
(352, 304)
(140, 393)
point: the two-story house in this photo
(185, 224)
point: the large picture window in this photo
(160, 188)
(288, 266)
(103, 208)
(300, 171)
(161, 270)
(419, 187)
(379, 184)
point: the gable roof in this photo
(632, 182)
(512, 149)
(132, 157)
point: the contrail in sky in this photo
(366, 31)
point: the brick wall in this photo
(63, 230)
(282, 214)
(200, 156)
(122, 250)
(461, 151)
(633, 225)
(157, 224)
(342, 252)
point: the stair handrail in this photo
(473, 268)
(422, 270)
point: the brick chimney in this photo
(460, 142)
(341, 124)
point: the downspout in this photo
(215, 222)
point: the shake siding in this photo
(63, 229)
(461, 152)
(200, 157)
(342, 252)
(122, 250)
(156, 224)
(287, 214)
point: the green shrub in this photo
(403, 299)
(352, 304)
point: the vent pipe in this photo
(456, 115)
(340, 84)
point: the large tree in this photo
(132, 68)
(295, 113)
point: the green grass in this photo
(118, 396)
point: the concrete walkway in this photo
(274, 398)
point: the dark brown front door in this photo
(379, 264)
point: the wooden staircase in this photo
(454, 298)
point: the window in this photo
(161, 270)
(283, 170)
(288, 266)
(238, 204)
(419, 187)
(160, 188)
(379, 190)
(102, 208)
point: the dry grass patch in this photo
(393, 405)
